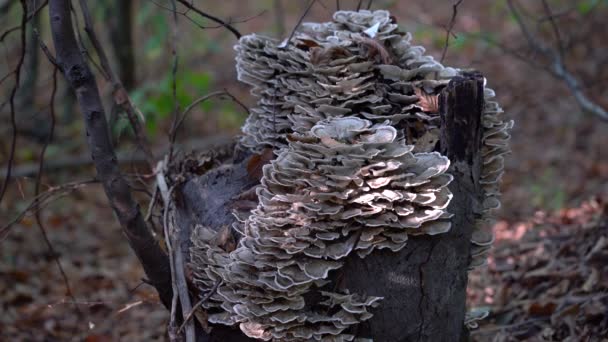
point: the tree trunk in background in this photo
(31, 122)
(120, 15)
(423, 285)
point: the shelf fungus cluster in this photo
(349, 109)
(348, 186)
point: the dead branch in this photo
(17, 73)
(196, 102)
(175, 57)
(42, 200)
(449, 29)
(190, 6)
(38, 211)
(29, 17)
(46, 50)
(77, 73)
(190, 19)
(557, 68)
(176, 261)
(199, 303)
(295, 28)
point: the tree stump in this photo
(424, 284)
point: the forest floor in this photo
(547, 275)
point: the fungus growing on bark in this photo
(348, 186)
(349, 110)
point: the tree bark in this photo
(120, 14)
(82, 81)
(423, 285)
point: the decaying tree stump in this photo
(424, 284)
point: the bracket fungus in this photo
(347, 108)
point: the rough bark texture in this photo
(424, 285)
(82, 81)
(120, 16)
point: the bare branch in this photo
(199, 303)
(173, 131)
(29, 17)
(46, 50)
(17, 73)
(120, 94)
(231, 28)
(82, 80)
(295, 28)
(557, 68)
(202, 99)
(558, 38)
(449, 29)
(38, 211)
(42, 200)
(166, 195)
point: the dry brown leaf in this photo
(428, 103)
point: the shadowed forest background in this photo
(546, 275)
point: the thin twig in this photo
(17, 72)
(359, 4)
(202, 99)
(557, 67)
(46, 50)
(83, 49)
(166, 197)
(295, 28)
(120, 94)
(29, 17)
(151, 204)
(173, 131)
(558, 38)
(182, 284)
(42, 200)
(38, 212)
(231, 28)
(199, 303)
(449, 29)
(190, 19)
